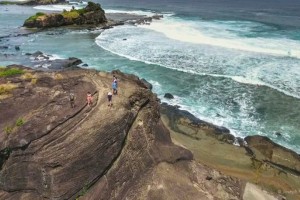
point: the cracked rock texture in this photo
(95, 152)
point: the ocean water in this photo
(233, 63)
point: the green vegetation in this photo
(19, 122)
(8, 130)
(81, 11)
(83, 191)
(35, 17)
(73, 14)
(8, 2)
(4, 72)
(6, 88)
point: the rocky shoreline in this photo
(135, 150)
(141, 150)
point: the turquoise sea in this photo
(233, 63)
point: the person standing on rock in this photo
(115, 87)
(109, 97)
(89, 99)
(72, 99)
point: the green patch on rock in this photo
(4, 72)
(19, 122)
(35, 17)
(8, 2)
(73, 14)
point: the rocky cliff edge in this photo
(49, 150)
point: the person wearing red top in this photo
(89, 99)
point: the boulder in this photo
(169, 96)
(147, 84)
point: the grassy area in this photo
(30, 77)
(6, 88)
(35, 17)
(19, 122)
(4, 72)
(11, 128)
(73, 14)
(9, 2)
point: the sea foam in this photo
(189, 31)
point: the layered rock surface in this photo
(258, 160)
(95, 152)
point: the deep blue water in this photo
(235, 63)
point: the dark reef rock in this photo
(181, 119)
(274, 153)
(92, 14)
(169, 96)
(149, 85)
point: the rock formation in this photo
(258, 160)
(49, 150)
(92, 14)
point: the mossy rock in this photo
(35, 17)
(5, 72)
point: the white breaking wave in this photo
(57, 7)
(186, 31)
(132, 12)
(198, 52)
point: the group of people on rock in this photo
(89, 97)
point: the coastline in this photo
(210, 145)
(114, 19)
(261, 161)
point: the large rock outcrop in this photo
(258, 160)
(49, 150)
(92, 14)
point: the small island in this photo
(92, 14)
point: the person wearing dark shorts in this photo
(72, 99)
(109, 97)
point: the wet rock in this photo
(181, 119)
(157, 17)
(148, 85)
(169, 96)
(278, 134)
(36, 54)
(240, 141)
(284, 158)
